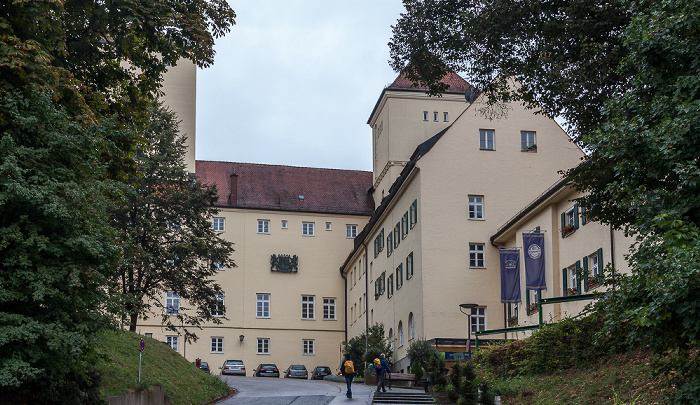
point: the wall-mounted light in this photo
(470, 307)
(241, 337)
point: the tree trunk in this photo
(132, 322)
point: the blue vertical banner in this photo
(533, 243)
(510, 275)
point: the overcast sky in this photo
(295, 81)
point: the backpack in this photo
(349, 367)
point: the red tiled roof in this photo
(278, 187)
(453, 80)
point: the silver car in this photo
(296, 371)
(233, 367)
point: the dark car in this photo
(204, 366)
(296, 371)
(320, 372)
(233, 367)
(266, 370)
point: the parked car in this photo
(266, 370)
(320, 372)
(233, 367)
(296, 371)
(203, 365)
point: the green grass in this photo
(184, 384)
(621, 380)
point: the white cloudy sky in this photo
(295, 81)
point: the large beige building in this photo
(454, 180)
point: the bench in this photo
(410, 378)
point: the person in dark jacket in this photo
(382, 372)
(348, 376)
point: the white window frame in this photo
(478, 319)
(477, 259)
(308, 347)
(528, 139)
(218, 311)
(172, 341)
(216, 344)
(262, 306)
(572, 277)
(409, 266)
(264, 226)
(263, 346)
(435, 116)
(308, 307)
(399, 276)
(412, 326)
(593, 265)
(350, 231)
(400, 334)
(570, 216)
(445, 117)
(284, 224)
(307, 228)
(329, 309)
(329, 226)
(172, 303)
(218, 224)
(425, 116)
(476, 207)
(487, 139)
(391, 340)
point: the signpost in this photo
(142, 347)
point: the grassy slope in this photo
(622, 379)
(160, 365)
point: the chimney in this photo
(233, 185)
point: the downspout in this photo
(366, 304)
(345, 305)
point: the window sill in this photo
(476, 219)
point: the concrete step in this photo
(397, 398)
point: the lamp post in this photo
(470, 307)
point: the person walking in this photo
(348, 370)
(382, 372)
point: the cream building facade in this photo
(323, 254)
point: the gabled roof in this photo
(288, 188)
(456, 85)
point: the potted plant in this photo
(513, 321)
(568, 229)
(533, 308)
(571, 291)
(532, 148)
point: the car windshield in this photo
(326, 369)
(233, 362)
(298, 368)
(204, 364)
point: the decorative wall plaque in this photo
(284, 263)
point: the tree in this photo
(165, 224)
(425, 356)
(367, 346)
(56, 248)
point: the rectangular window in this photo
(476, 207)
(350, 231)
(409, 266)
(476, 255)
(307, 228)
(328, 226)
(413, 213)
(307, 307)
(389, 244)
(262, 307)
(149, 335)
(217, 308)
(435, 116)
(445, 117)
(307, 346)
(218, 224)
(217, 345)
(399, 276)
(390, 285)
(404, 225)
(172, 342)
(172, 303)
(218, 266)
(263, 346)
(284, 224)
(397, 234)
(379, 243)
(263, 226)
(379, 286)
(329, 309)
(528, 142)
(425, 115)
(478, 319)
(569, 221)
(486, 139)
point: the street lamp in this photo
(470, 307)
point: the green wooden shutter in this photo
(575, 216)
(537, 229)
(563, 224)
(585, 273)
(564, 281)
(583, 215)
(527, 302)
(578, 277)
(600, 262)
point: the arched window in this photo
(400, 334)
(411, 327)
(391, 339)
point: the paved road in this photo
(286, 391)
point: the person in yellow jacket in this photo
(348, 370)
